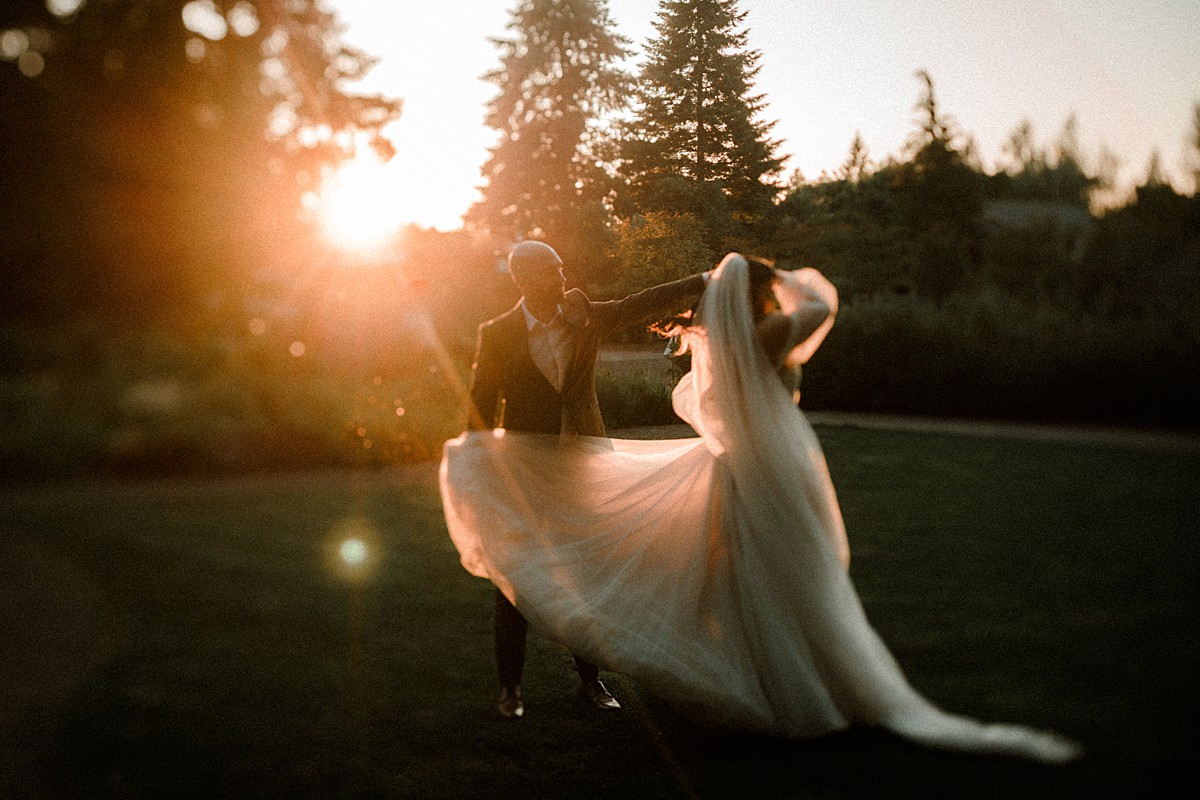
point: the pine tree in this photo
(1194, 150)
(1068, 182)
(1022, 155)
(696, 143)
(1155, 174)
(858, 161)
(942, 187)
(940, 197)
(559, 78)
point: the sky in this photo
(1129, 70)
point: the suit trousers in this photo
(511, 629)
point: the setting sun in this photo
(358, 204)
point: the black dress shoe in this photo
(594, 693)
(509, 704)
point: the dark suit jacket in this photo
(508, 390)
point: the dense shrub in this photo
(989, 356)
(90, 401)
(151, 403)
(992, 355)
(635, 399)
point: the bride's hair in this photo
(762, 274)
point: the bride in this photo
(713, 570)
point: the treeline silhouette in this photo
(170, 305)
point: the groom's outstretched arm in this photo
(648, 304)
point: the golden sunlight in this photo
(358, 205)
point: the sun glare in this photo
(358, 205)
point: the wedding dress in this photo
(713, 570)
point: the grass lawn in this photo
(197, 639)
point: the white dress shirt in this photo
(550, 345)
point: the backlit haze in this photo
(1128, 69)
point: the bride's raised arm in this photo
(808, 303)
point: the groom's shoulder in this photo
(501, 321)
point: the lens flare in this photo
(353, 550)
(357, 206)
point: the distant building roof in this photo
(1023, 213)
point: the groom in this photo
(535, 371)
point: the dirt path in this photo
(1150, 440)
(1100, 436)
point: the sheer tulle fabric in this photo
(712, 569)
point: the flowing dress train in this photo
(713, 570)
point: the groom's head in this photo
(537, 271)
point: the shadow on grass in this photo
(211, 647)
